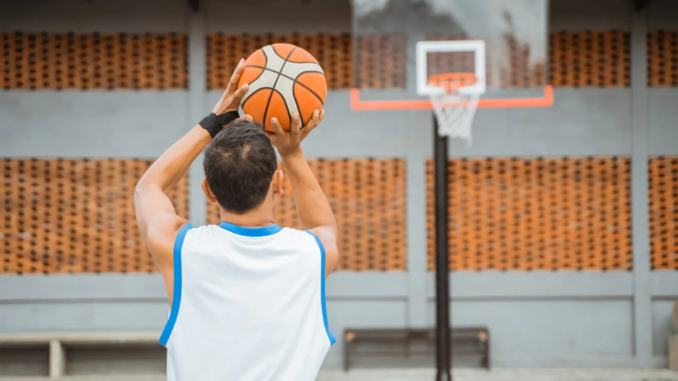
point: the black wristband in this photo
(214, 123)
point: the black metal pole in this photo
(443, 351)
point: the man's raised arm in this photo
(314, 209)
(157, 220)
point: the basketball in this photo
(283, 79)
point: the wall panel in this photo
(662, 58)
(74, 216)
(663, 193)
(82, 61)
(587, 58)
(536, 214)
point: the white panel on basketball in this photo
(273, 60)
(286, 88)
(295, 69)
(265, 80)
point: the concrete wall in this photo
(563, 319)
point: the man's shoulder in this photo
(303, 238)
(202, 232)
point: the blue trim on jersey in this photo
(250, 232)
(176, 298)
(330, 335)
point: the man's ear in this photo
(278, 183)
(208, 192)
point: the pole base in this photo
(443, 376)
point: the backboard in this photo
(401, 44)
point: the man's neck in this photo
(251, 219)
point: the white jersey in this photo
(248, 305)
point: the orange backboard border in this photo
(425, 104)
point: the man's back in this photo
(247, 296)
(249, 305)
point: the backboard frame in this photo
(477, 47)
(515, 34)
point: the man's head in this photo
(240, 165)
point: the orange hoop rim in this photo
(452, 81)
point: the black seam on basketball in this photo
(255, 91)
(295, 80)
(304, 62)
(297, 103)
(276, 82)
(308, 88)
(262, 72)
(278, 54)
(272, 89)
(288, 57)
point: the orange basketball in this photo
(283, 79)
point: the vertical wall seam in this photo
(642, 298)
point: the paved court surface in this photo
(459, 375)
(508, 375)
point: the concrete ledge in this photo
(57, 340)
(344, 284)
(80, 337)
(150, 287)
(664, 284)
(536, 284)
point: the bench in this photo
(466, 342)
(57, 340)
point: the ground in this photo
(459, 375)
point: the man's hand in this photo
(230, 99)
(288, 142)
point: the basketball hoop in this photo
(453, 104)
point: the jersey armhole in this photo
(323, 302)
(176, 293)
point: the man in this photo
(247, 296)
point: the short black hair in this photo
(239, 165)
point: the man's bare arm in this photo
(314, 209)
(157, 220)
(154, 210)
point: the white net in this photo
(454, 108)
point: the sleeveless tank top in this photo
(248, 305)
